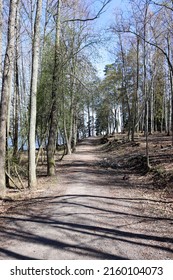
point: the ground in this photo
(102, 204)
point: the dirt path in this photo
(93, 214)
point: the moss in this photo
(51, 162)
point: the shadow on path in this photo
(98, 216)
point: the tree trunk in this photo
(170, 121)
(145, 90)
(165, 111)
(53, 118)
(74, 139)
(152, 109)
(69, 134)
(172, 106)
(6, 81)
(89, 120)
(1, 19)
(16, 90)
(32, 180)
(135, 96)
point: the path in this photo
(93, 214)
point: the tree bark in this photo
(6, 81)
(51, 147)
(16, 90)
(145, 90)
(32, 180)
(1, 19)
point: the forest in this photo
(86, 131)
(51, 93)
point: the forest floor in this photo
(102, 204)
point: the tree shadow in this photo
(81, 237)
(85, 225)
(15, 255)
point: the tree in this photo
(53, 114)
(110, 100)
(16, 88)
(65, 80)
(6, 81)
(1, 20)
(145, 24)
(158, 35)
(32, 181)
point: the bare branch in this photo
(11, 179)
(76, 77)
(101, 11)
(148, 42)
(163, 5)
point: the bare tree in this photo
(6, 81)
(32, 182)
(53, 116)
(16, 88)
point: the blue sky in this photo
(107, 16)
(105, 20)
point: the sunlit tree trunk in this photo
(145, 89)
(152, 109)
(135, 95)
(16, 113)
(6, 81)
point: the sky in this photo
(104, 21)
(107, 16)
